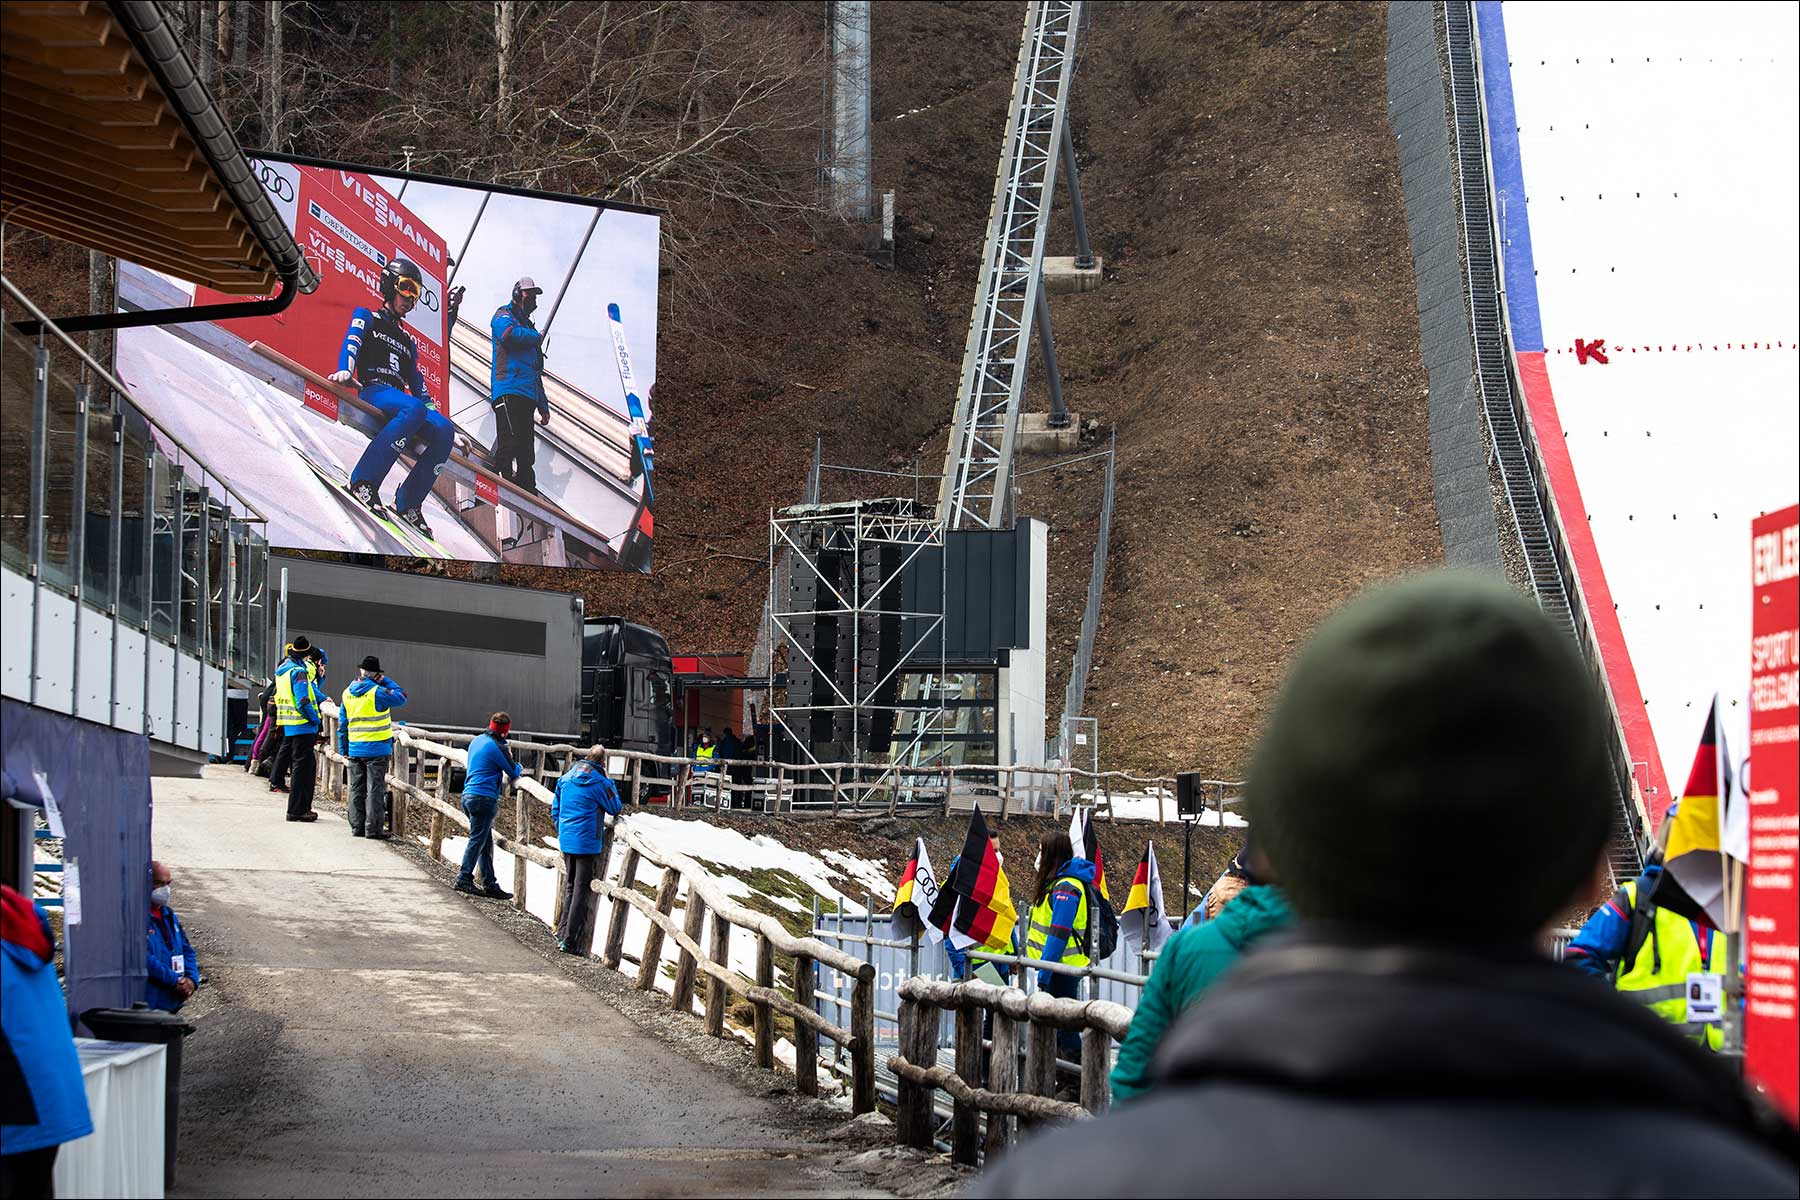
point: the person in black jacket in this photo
(1408, 1038)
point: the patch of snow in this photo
(728, 847)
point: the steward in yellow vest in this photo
(1648, 940)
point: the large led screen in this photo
(471, 380)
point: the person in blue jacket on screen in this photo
(518, 385)
(382, 359)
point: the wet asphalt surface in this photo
(364, 1031)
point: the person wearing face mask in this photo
(173, 965)
(517, 391)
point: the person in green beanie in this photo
(1192, 960)
(1407, 1036)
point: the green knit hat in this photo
(1436, 765)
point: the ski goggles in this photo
(407, 287)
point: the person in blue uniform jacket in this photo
(382, 359)
(173, 966)
(43, 1102)
(518, 385)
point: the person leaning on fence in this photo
(365, 737)
(584, 798)
(1060, 923)
(1238, 875)
(1409, 1036)
(1194, 959)
(490, 760)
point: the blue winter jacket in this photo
(388, 696)
(1065, 903)
(518, 359)
(51, 1106)
(581, 796)
(167, 941)
(489, 759)
(306, 692)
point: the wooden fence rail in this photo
(417, 756)
(986, 1081)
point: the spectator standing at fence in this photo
(1238, 875)
(173, 967)
(1409, 1037)
(44, 1101)
(490, 761)
(365, 737)
(1191, 962)
(1060, 924)
(297, 709)
(585, 797)
(703, 753)
(268, 735)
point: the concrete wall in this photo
(1021, 683)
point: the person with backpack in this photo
(1066, 914)
(1646, 941)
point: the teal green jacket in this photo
(1192, 961)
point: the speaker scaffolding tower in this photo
(841, 613)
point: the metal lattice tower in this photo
(978, 461)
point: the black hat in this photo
(372, 665)
(1423, 724)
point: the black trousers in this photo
(576, 928)
(280, 760)
(515, 442)
(304, 771)
(28, 1175)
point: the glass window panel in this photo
(165, 536)
(134, 521)
(193, 565)
(257, 623)
(96, 541)
(16, 385)
(60, 467)
(217, 598)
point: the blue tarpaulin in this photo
(101, 780)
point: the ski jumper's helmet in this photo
(396, 270)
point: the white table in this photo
(123, 1157)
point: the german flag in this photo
(1692, 855)
(916, 894)
(976, 905)
(1143, 925)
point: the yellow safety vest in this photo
(705, 755)
(1658, 976)
(1038, 936)
(287, 705)
(367, 722)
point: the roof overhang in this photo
(112, 142)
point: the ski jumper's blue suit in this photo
(385, 360)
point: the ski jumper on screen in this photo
(382, 359)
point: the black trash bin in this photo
(141, 1023)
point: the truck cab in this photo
(627, 689)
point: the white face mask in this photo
(160, 896)
(1037, 864)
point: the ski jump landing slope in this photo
(1646, 170)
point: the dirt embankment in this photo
(1255, 350)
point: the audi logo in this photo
(429, 299)
(274, 182)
